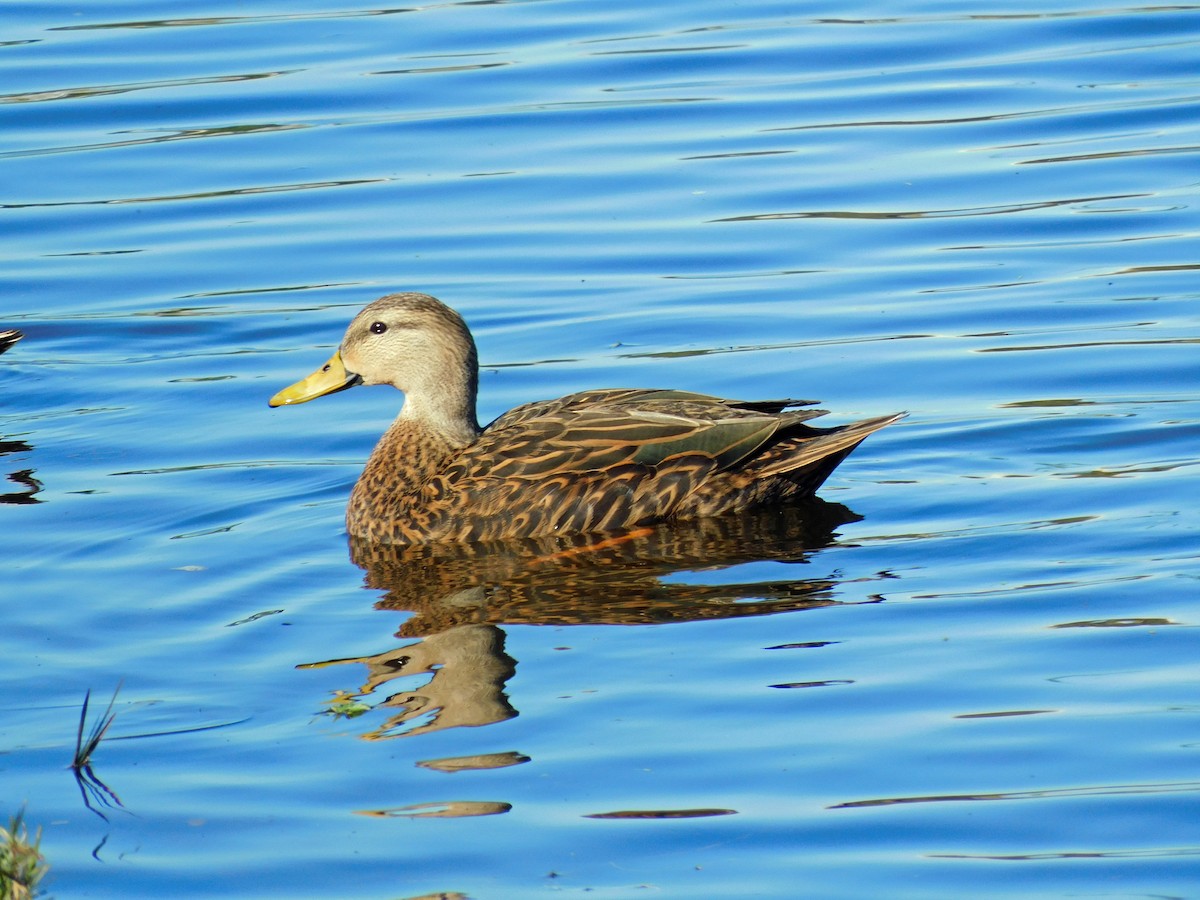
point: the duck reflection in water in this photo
(23, 477)
(460, 595)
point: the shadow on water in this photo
(460, 595)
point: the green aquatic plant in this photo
(345, 706)
(22, 865)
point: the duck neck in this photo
(441, 396)
(451, 417)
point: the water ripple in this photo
(1049, 794)
(87, 93)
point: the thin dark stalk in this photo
(85, 749)
(91, 788)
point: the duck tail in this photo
(8, 337)
(808, 455)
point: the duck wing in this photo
(603, 460)
(599, 430)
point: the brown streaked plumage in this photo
(588, 462)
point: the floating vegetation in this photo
(345, 706)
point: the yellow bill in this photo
(328, 379)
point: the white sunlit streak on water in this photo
(984, 215)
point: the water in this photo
(979, 678)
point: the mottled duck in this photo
(595, 461)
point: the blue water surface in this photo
(980, 680)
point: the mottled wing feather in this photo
(726, 442)
(599, 436)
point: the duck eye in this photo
(378, 327)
